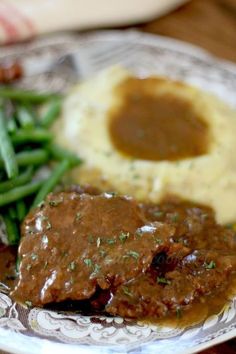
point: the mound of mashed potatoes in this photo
(152, 137)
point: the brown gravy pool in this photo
(156, 127)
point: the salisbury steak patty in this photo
(75, 243)
(123, 257)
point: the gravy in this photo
(156, 127)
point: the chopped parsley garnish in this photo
(174, 217)
(162, 280)
(124, 236)
(55, 202)
(31, 231)
(102, 253)
(78, 217)
(136, 176)
(88, 262)
(96, 269)
(48, 224)
(158, 240)
(29, 266)
(91, 239)
(34, 256)
(178, 313)
(139, 233)
(45, 265)
(210, 265)
(41, 204)
(204, 216)
(71, 266)
(127, 291)
(111, 241)
(133, 254)
(158, 214)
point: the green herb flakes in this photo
(71, 266)
(158, 214)
(28, 267)
(138, 233)
(78, 217)
(34, 256)
(124, 236)
(48, 224)
(162, 280)
(136, 176)
(127, 291)
(91, 239)
(133, 254)
(28, 303)
(178, 313)
(210, 265)
(158, 241)
(102, 253)
(55, 202)
(97, 269)
(111, 241)
(174, 217)
(88, 262)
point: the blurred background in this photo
(210, 24)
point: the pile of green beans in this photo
(26, 145)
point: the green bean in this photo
(52, 181)
(24, 136)
(26, 96)
(23, 178)
(12, 213)
(11, 125)
(34, 157)
(51, 114)
(7, 150)
(58, 153)
(12, 230)
(20, 209)
(25, 117)
(18, 260)
(19, 193)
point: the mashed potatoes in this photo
(207, 176)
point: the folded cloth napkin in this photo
(22, 19)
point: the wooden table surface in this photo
(210, 24)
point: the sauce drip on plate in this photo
(156, 126)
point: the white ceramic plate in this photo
(41, 331)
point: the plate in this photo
(55, 63)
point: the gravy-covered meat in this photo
(75, 243)
(112, 254)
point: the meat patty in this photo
(124, 258)
(76, 242)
